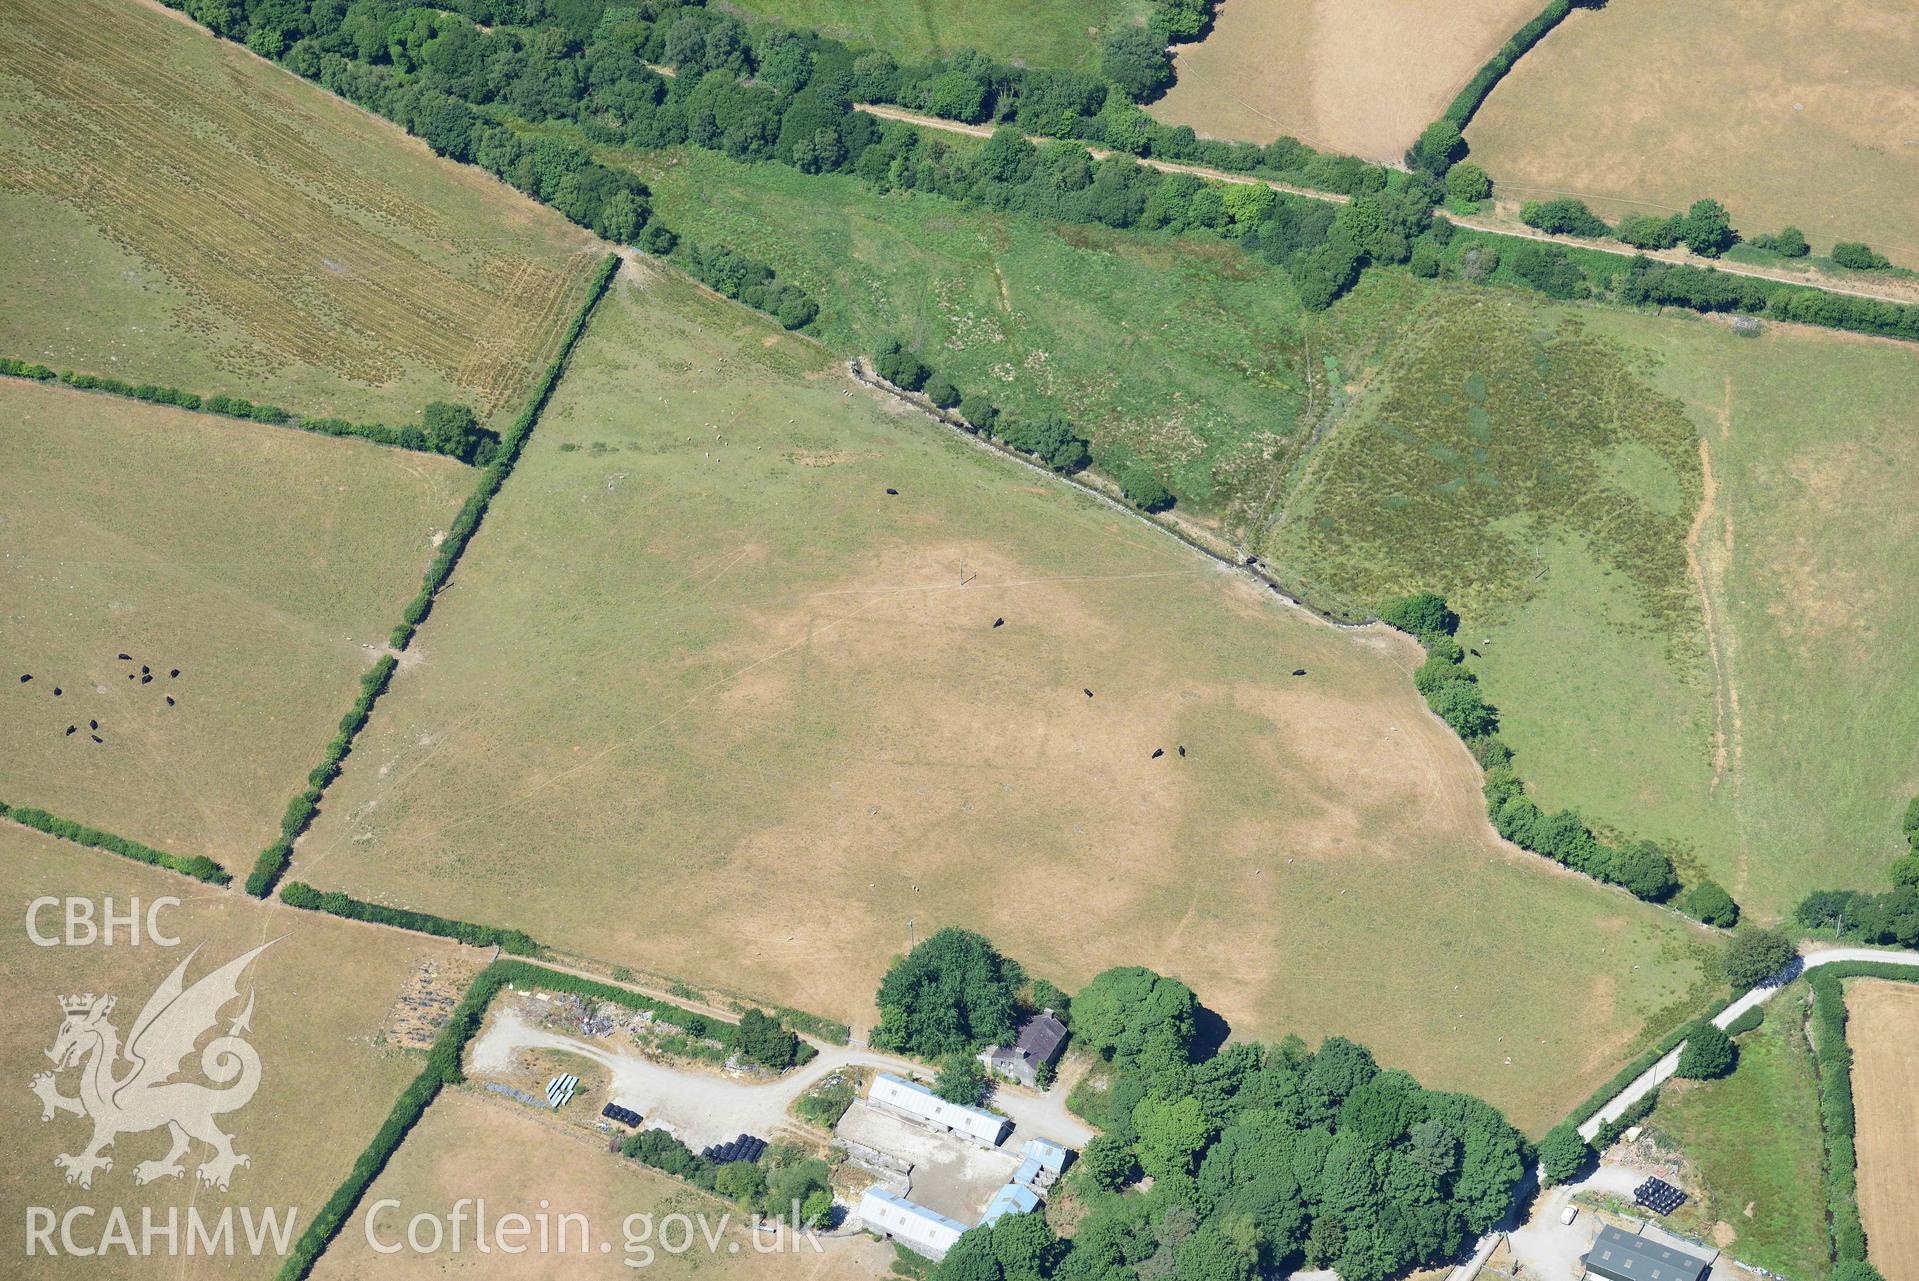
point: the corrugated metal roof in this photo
(1048, 1153)
(1011, 1199)
(895, 1215)
(916, 1098)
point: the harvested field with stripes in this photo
(194, 216)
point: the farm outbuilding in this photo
(1618, 1255)
(912, 1225)
(1014, 1198)
(1038, 1043)
(922, 1104)
(1052, 1157)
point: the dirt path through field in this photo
(1709, 549)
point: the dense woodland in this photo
(1216, 1162)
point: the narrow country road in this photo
(1538, 1241)
(1661, 1072)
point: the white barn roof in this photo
(910, 1224)
(1049, 1154)
(1011, 1199)
(977, 1123)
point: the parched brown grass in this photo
(698, 704)
(328, 1077)
(518, 1161)
(1883, 1027)
(1805, 114)
(191, 215)
(265, 564)
(1355, 76)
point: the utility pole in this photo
(909, 933)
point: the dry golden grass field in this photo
(1356, 76)
(705, 699)
(260, 562)
(486, 1147)
(179, 211)
(1883, 1027)
(323, 993)
(1805, 114)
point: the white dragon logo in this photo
(144, 1096)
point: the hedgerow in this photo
(830, 1030)
(1453, 693)
(198, 866)
(235, 407)
(1889, 917)
(272, 862)
(1482, 257)
(442, 1068)
(1834, 1059)
(494, 474)
(1625, 1076)
(1609, 1133)
(297, 894)
(1459, 112)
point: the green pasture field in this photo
(1753, 1142)
(1037, 33)
(1787, 114)
(1808, 549)
(265, 564)
(1188, 352)
(322, 993)
(175, 210)
(1561, 512)
(705, 699)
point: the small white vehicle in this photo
(1572, 1212)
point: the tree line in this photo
(1441, 148)
(1888, 917)
(761, 91)
(445, 428)
(198, 866)
(1453, 693)
(1705, 229)
(1052, 439)
(1261, 1158)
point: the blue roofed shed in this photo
(1011, 1199)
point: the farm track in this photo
(1489, 226)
